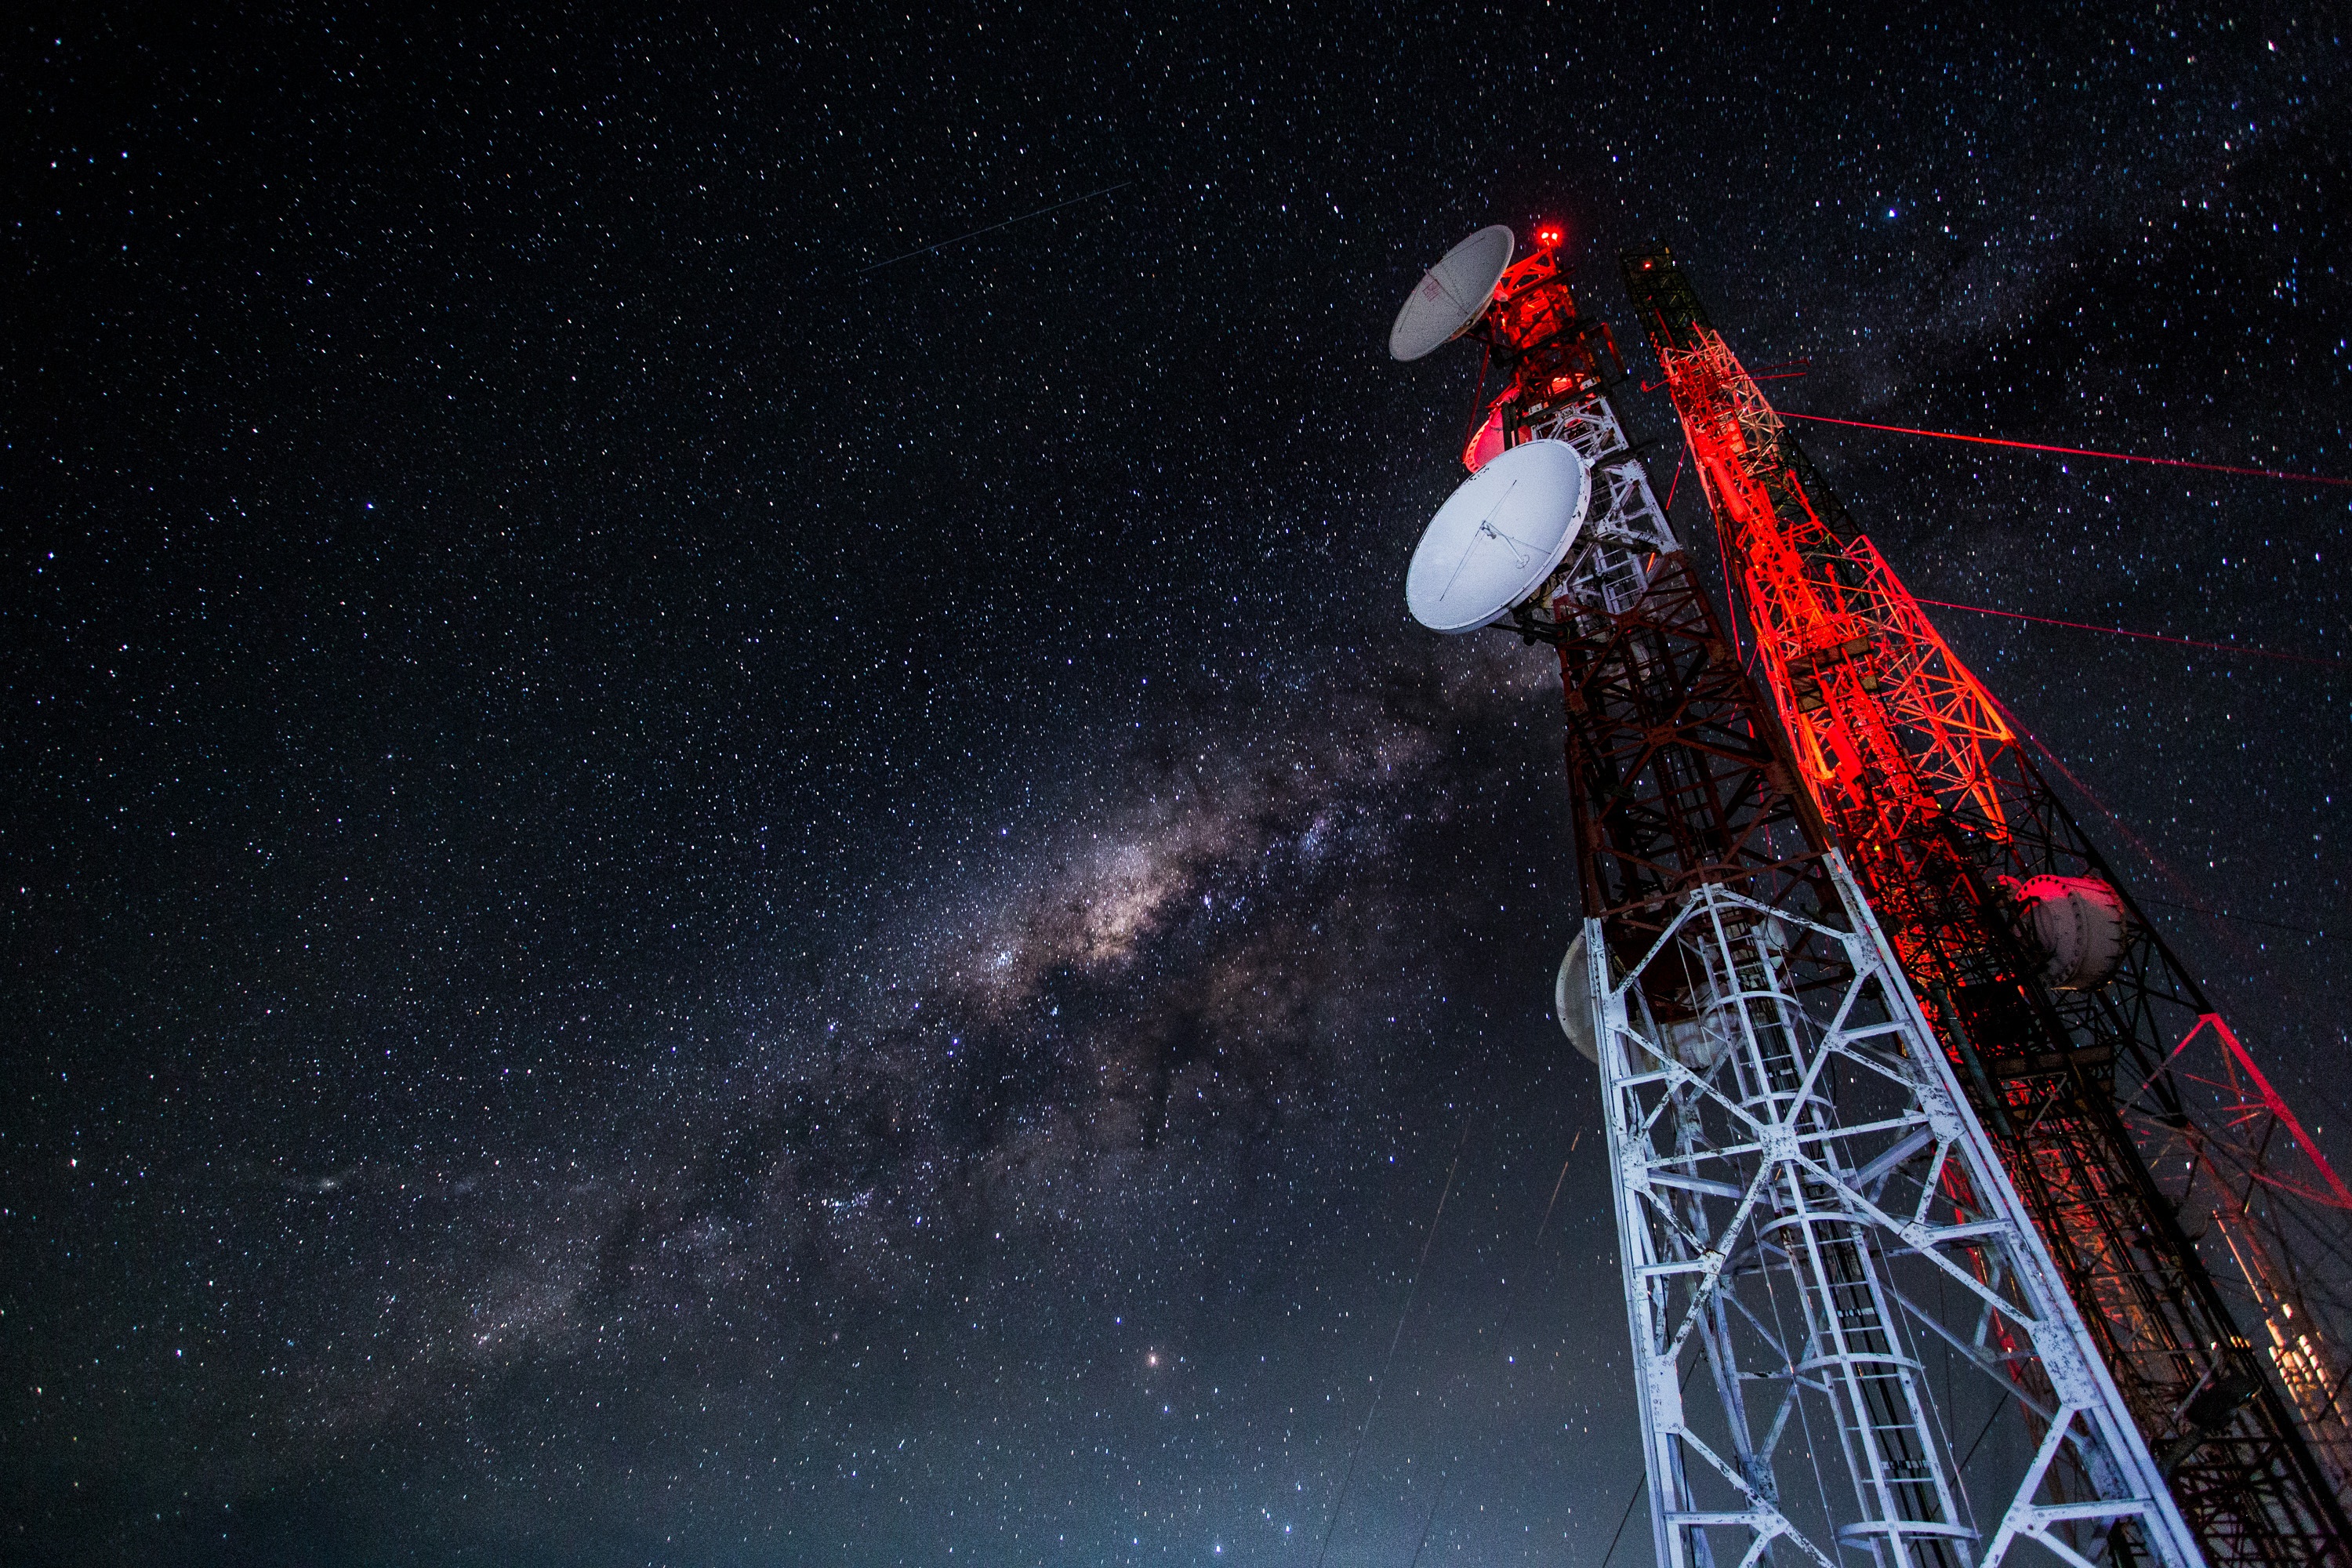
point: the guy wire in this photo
(1340, 1499)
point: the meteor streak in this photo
(991, 228)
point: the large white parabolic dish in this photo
(1451, 294)
(1497, 537)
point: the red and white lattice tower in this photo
(1850, 1342)
(2178, 1196)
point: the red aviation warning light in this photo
(1549, 235)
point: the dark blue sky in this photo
(668, 902)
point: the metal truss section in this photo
(1560, 366)
(1626, 529)
(1590, 424)
(1622, 543)
(1880, 709)
(2173, 1186)
(1807, 1209)
(1628, 511)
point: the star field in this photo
(668, 901)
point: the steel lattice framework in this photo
(1797, 1179)
(2089, 1093)
(1807, 1206)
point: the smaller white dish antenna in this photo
(1572, 1001)
(1497, 537)
(1452, 294)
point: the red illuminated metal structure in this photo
(1811, 1224)
(2186, 1207)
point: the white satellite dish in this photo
(1497, 537)
(1452, 294)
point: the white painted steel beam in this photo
(1806, 1203)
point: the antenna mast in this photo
(1807, 1205)
(2082, 1042)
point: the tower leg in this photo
(1804, 1195)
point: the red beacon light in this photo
(1548, 237)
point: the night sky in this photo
(669, 901)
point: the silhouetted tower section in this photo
(2083, 1043)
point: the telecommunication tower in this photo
(1810, 1213)
(2172, 1185)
